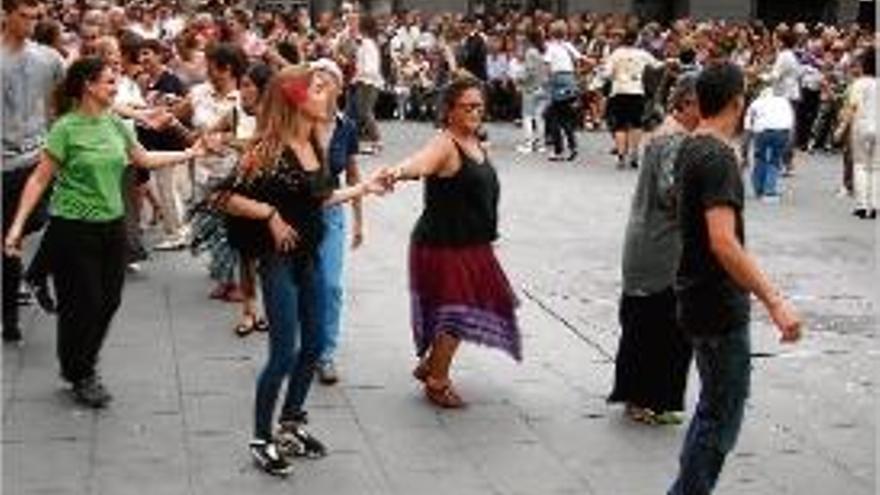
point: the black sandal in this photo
(261, 325)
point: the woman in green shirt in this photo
(86, 151)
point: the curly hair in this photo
(461, 82)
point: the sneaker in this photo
(12, 335)
(90, 392)
(134, 267)
(40, 290)
(267, 458)
(668, 418)
(175, 243)
(525, 149)
(295, 441)
(861, 213)
(327, 373)
(24, 297)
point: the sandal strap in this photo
(443, 394)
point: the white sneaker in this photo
(134, 267)
(171, 244)
(184, 232)
(524, 149)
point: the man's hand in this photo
(357, 235)
(786, 320)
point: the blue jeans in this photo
(769, 149)
(288, 298)
(724, 364)
(328, 281)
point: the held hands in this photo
(380, 182)
(203, 146)
(213, 142)
(157, 119)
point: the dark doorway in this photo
(868, 14)
(497, 6)
(789, 11)
(662, 11)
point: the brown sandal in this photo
(442, 394)
(422, 371)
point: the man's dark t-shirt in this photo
(474, 56)
(709, 301)
(163, 139)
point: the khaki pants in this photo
(864, 151)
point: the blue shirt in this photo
(343, 145)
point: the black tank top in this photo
(462, 209)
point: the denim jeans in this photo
(288, 297)
(328, 281)
(724, 364)
(769, 148)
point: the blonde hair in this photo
(279, 118)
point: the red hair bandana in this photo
(296, 91)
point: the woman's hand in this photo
(284, 236)
(201, 148)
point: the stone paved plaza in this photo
(184, 383)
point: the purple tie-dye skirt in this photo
(463, 291)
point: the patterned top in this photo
(296, 193)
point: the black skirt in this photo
(654, 354)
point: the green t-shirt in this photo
(91, 153)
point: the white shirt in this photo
(368, 65)
(497, 67)
(863, 95)
(626, 65)
(146, 33)
(208, 108)
(129, 93)
(245, 125)
(769, 112)
(561, 55)
(786, 74)
(173, 26)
